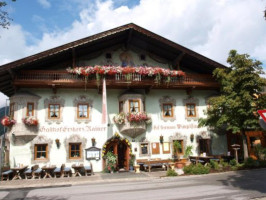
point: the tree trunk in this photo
(245, 146)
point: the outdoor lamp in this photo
(57, 143)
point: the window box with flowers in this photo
(132, 124)
(7, 121)
(30, 121)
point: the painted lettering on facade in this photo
(66, 129)
(173, 127)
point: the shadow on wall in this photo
(247, 180)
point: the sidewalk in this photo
(96, 178)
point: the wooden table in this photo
(77, 169)
(48, 170)
(17, 172)
(201, 159)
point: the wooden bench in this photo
(67, 172)
(29, 172)
(59, 171)
(7, 175)
(156, 163)
(37, 173)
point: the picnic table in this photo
(18, 171)
(48, 170)
(77, 169)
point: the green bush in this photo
(196, 169)
(251, 163)
(171, 172)
(233, 162)
(188, 169)
(223, 163)
(214, 165)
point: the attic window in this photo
(108, 56)
(142, 57)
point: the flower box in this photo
(30, 121)
(7, 121)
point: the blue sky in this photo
(211, 28)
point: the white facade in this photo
(23, 153)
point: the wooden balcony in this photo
(63, 79)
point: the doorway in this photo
(121, 149)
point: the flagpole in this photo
(104, 104)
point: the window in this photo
(30, 109)
(12, 110)
(167, 110)
(74, 150)
(134, 106)
(121, 104)
(144, 148)
(40, 151)
(54, 111)
(155, 148)
(83, 111)
(204, 146)
(191, 110)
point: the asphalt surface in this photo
(247, 184)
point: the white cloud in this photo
(44, 3)
(210, 28)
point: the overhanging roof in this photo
(128, 35)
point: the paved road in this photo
(233, 185)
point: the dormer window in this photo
(134, 106)
(30, 109)
(12, 110)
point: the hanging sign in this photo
(93, 153)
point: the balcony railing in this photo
(43, 78)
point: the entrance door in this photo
(121, 155)
(121, 149)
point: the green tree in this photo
(4, 18)
(235, 109)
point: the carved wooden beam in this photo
(11, 74)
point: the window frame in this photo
(35, 151)
(12, 110)
(70, 150)
(27, 112)
(59, 111)
(207, 147)
(121, 106)
(195, 112)
(182, 143)
(78, 117)
(148, 149)
(134, 100)
(167, 104)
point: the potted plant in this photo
(132, 162)
(188, 152)
(177, 148)
(111, 161)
